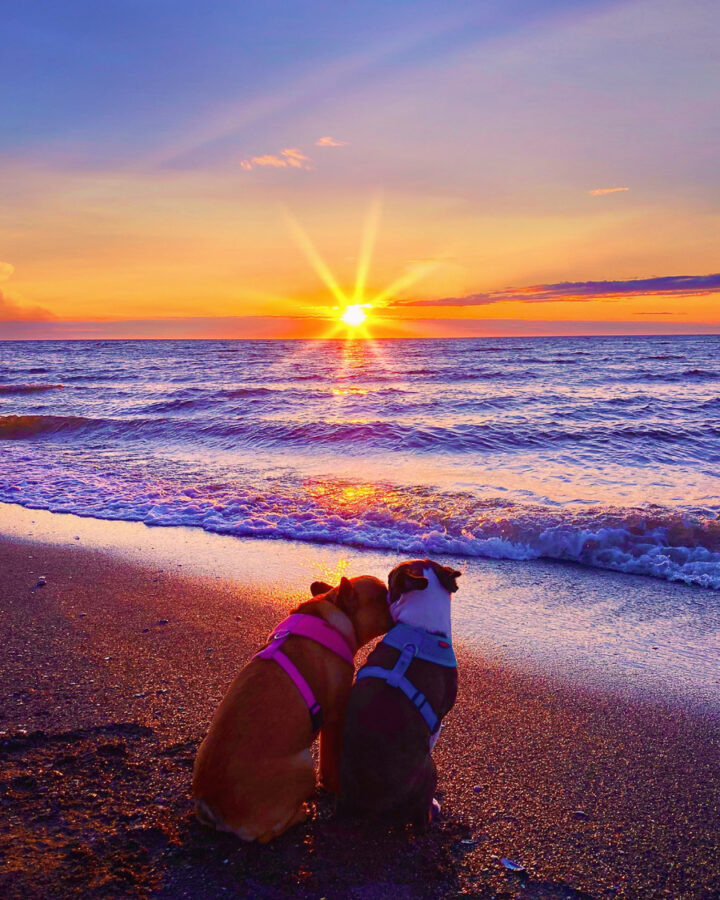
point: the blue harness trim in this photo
(413, 643)
(434, 648)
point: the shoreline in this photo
(115, 668)
(639, 637)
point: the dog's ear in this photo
(447, 577)
(319, 587)
(401, 581)
(413, 582)
(346, 599)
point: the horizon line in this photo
(477, 337)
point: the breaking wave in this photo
(657, 542)
(603, 452)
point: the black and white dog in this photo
(399, 699)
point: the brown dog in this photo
(254, 771)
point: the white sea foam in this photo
(603, 452)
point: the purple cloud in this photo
(580, 291)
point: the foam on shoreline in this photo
(628, 633)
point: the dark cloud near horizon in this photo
(582, 291)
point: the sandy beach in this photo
(111, 672)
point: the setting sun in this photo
(353, 315)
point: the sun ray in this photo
(369, 233)
(351, 309)
(266, 297)
(406, 280)
(315, 260)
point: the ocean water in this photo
(599, 451)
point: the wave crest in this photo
(655, 541)
(28, 388)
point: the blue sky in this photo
(126, 76)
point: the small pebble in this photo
(510, 865)
(162, 622)
(41, 582)
(477, 788)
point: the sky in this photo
(176, 169)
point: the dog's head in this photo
(409, 576)
(363, 600)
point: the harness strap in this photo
(396, 674)
(395, 677)
(435, 648)
(416, 697)
(273, 651)
(317, 630)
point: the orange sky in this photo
(540, 156)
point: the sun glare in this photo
(353, 315)
(351, 308)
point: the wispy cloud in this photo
(229, 120)
(599, 192)
(579, 291)
(329, 142)
(296, 158)
(11, 311)
(289, 158)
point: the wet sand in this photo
(110, 674)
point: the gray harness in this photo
(413, 643)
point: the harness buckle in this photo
(281, 635)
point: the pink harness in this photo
(316, 630)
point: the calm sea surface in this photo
(604, 451)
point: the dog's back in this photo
(386, 767)
(254, 766)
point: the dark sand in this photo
(103, 707)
